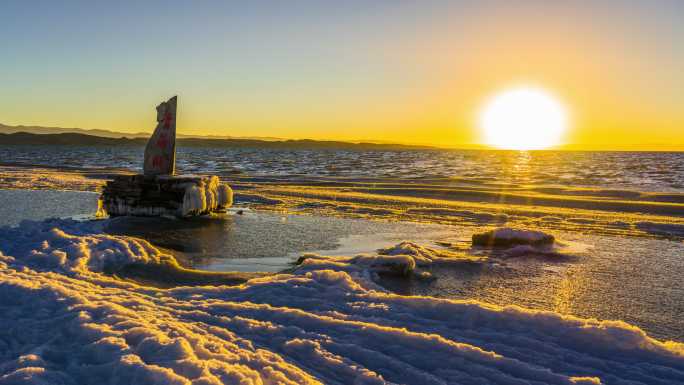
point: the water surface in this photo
(640, 171)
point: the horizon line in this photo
(652, 147)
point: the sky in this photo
(396, 71)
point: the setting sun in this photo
(524, 118)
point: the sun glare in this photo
(524, 118)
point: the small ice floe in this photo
(519, 243)
(507, 237)
(514, 243)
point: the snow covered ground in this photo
(64, 321)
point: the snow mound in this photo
(507, 236)
(75, 247)
(425, 256)
(404, 259)
(320, 325)
(363, 265)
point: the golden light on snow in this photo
(523, 118)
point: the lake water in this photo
(640, 171)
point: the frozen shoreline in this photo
(445, 201)
(328, 321)
(325, 323)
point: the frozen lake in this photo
(635, 279)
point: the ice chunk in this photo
(206, 196)
(225, 196)
(507, 236)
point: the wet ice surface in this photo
(633, 279)
(266, 241)
(628, 278)
(17, 205)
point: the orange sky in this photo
(391, 71)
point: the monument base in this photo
(165, 195)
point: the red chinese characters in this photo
(163, 141)
(168, 119)
(158, 162)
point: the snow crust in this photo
(63, 321)
(74, 247)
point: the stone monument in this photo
(160, 152)
(158, 191)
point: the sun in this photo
(523, 118)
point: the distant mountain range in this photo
(6, 129)
(38, 135)
(80, 139)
